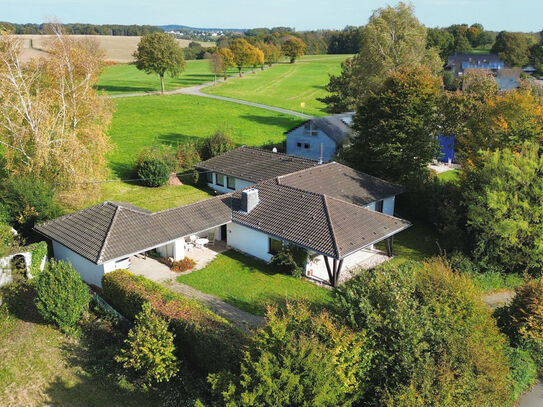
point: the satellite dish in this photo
(274, 150)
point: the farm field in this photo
(125, 78)
(286, 85)
(117, 48)
(143, 121)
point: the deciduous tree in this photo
(396, 127)
(160, 53)
(293, 48)
(52, 122)
(393, 38)
(242, 51)
(227, 60)
(512, 48)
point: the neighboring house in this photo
(458, 63)
(319, 138)
(245, 166)
(333, 211)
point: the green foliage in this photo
(159, 53)
(297, 359)
(504, 205)
(61, 295)
(29, 201)
(291, 260)
(293, 48)
(524, 371)
(442, 40)
(216, 144)
(242, 52)
(396, 127)
(512, 48)
(153, 172)
(149, 348)
(433, 341)
(187, 156)
(39, 252)
(392, 39)
(203, 338)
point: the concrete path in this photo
(534, 398)
(497, 299)
(196, 90)
(160, 273)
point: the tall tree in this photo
(227, 60)
(216, 65)
(293, 48)
(52, 122)
(393, 38)
(160, 53)
(512, 48)
(396, 127)
(243, 52)
(257, 58)
(442, 40)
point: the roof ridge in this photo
(100, 253)
(290, 187)
(330, 224)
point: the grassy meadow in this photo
(286, 85)
(175, 119)
(126, 78)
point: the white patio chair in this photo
(193, 238)
(189, 247)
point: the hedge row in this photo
(206, 340)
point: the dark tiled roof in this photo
(316, 221)
(255, 164)
(111, 230)
(341, 182)
(336, 126)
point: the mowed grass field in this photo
(286, 85)
(176, 119)
(125, 78)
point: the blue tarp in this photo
(447, 148)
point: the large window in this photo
(231, 182)
(220, 179)
(209, 177)
(379, 206)
(310, 129)
(275, 245)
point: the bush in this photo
(149, 348)
(216, 144)
(434, 342)
(186, 156)
(291, 260)
(39, 252)
(297, 359)
(203, 338)
(524, 370)
(153, 172)
(182, 265)
(29, 201)
(61, 295)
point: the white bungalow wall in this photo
(89, 272)
(223, 189)
(249, 241)
(175, 249)
(388, 206)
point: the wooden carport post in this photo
(334, 271)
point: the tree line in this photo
(83, 29)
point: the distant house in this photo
(319, 138)
(333, 211)
(458, 63)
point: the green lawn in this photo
(449, 176)
(418, 242)
(125, 78)
(286, 85)
(251, 284)
(142, 121)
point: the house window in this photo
(209, 177)
(299, 145)
(219, 179)
(379, 206)
(310, 129)
(275, 246)
(230, 183)
(306, 146)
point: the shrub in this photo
(182, 265)
(153, 172)
(186, 156)
(291, 260)
(297, 359)
(524, 370)
(203, 338)
(61, 295)
(39, 252)
(29, 201)
(149, 348)
(434, 342)
(216, 144)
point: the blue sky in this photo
(519, 15)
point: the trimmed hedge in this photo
(39, 251)
(204, 339)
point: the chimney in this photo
(249, 200)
